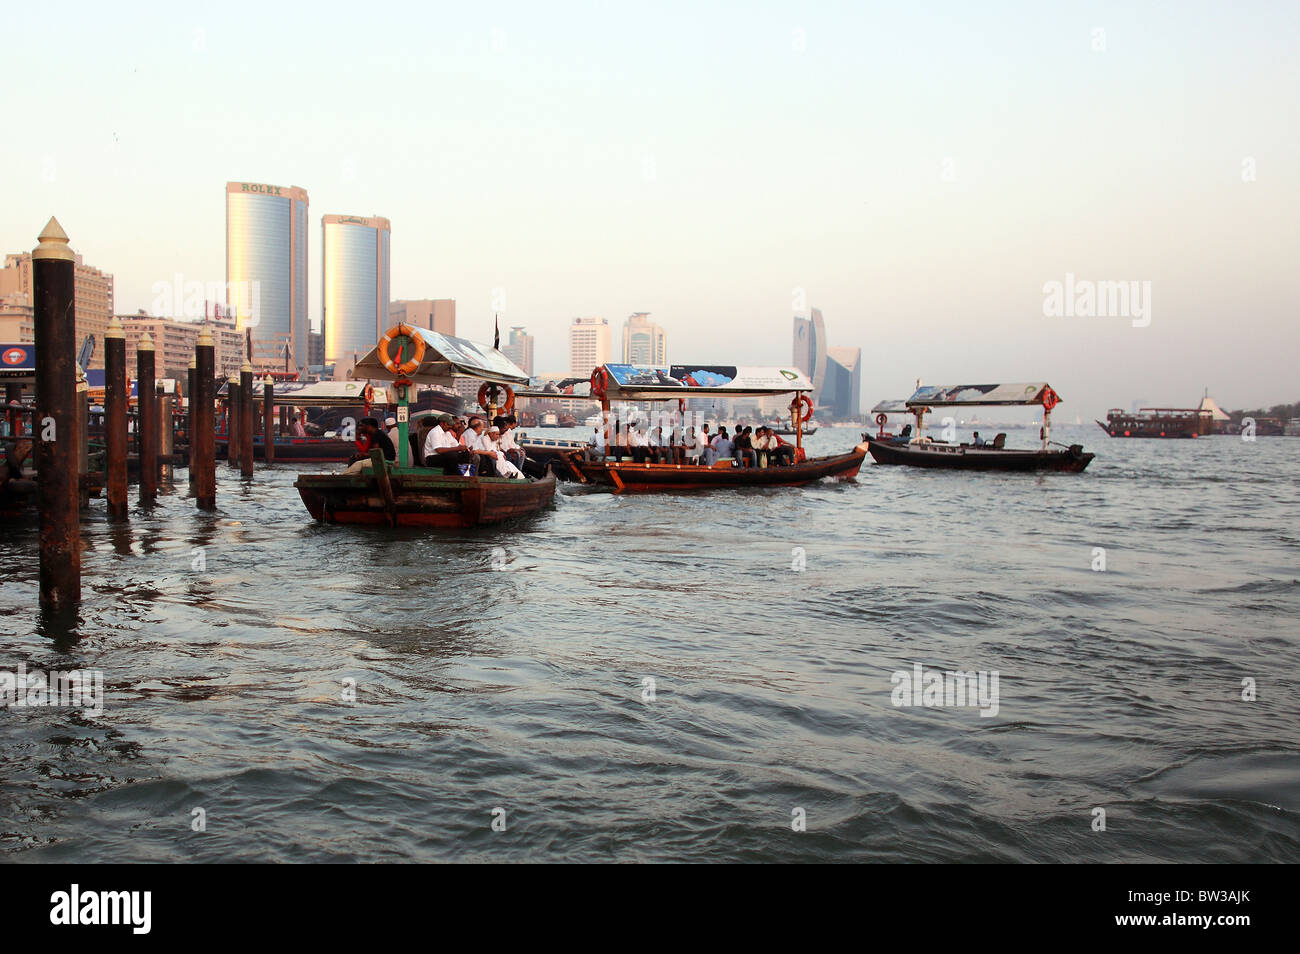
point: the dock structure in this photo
(55, 430)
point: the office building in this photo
(644, 342)
(436, 314)
(519, 349)
(841, 393)
(588, 345)
(92, 298)
(266, 268)
(354, 287)
(810, 348)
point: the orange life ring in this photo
(1049, 398)
(401, 331)
(507, 407)
(801, 398)
(882, 419)
(600, 383)
(368, 394)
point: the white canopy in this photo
(446, 358)
(983, 395)
(635, 383)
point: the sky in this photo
(919, 172)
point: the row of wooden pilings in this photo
(59, 423)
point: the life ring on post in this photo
(509, 404)
(407, 367)
(802, 398)
(1049, 398)
(882, 419)
(600, 383)
(368, 394)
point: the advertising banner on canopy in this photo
(982, 395)
(679, 379)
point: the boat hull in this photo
(629, 477)
(298, 450)
(422, 498)
(950, 457)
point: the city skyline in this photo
(925, 203)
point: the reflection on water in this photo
(348, 694)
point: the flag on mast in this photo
(496, 336)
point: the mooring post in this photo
(268, 420)
(189, 418)
(115, 399)
(203, 437)
(246, 420)
(232, 421)
(146, 403)
(83, 439)
(55, 425)
(166, 435)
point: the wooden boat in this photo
(1157, 422)
(628, 477)
(399, 494)
(680, 383)
(921, 451)
(421, 497)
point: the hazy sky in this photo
(919, 173)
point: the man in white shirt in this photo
(514, 453)
(442, 448)
(596, 444)
(393, 432)
(490, 444)
(638, 443)
(704, 443)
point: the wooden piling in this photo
(268, 420)
(189, 417)
(146, 403)
(116, 396)
(14, 395)
(232, 421)
(246, 420)
(203, 446)
(53, 282)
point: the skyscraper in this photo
(354, 287)
(644, 342)
(266, 268)
(810, 348)
(588, 345)
(520, 348)
(841, 395)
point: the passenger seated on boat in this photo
(514, 453)
(417, 437)
(906, 431)
(394, 433)
(783, 452)
(638, 443)
(723, 446)
(745, 455)
(368, 427)
(298, 430)
(474, 437)
(490, 445)
(704, 443)
(442, 448)
(1000, 441)
(595, 449)
(978, 441)
(763, 444)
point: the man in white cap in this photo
(490, 446)
(390, 422)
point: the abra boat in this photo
(922, 451)
(402, 493)
(681, 383)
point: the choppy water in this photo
(522, 688)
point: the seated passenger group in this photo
(748, 448)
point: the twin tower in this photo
(266, 277)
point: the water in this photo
(522, 689)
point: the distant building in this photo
(436, 314)
(354, 287)
(266, 268)
(810, 348)
(644, 342)
(520, 349)
(174, 343)
(588, 345)
(17, 320)
(92, 299)
(315, 349)
(841, 394)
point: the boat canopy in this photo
(629, 382)
(445, 359)
(984, 395)
(894, 406)
(556, 390)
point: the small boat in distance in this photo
(921, 451)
